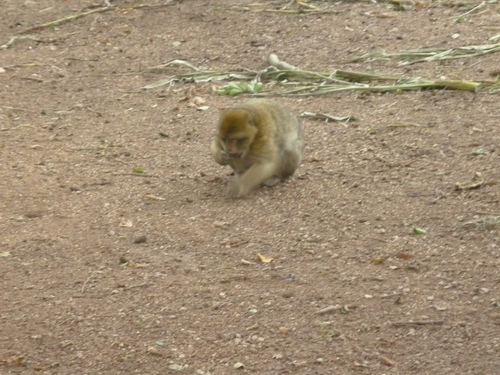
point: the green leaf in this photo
(419, 231)
(176, 367)
(325, 325)
(479, 151)
(138, 170)
(236, 88)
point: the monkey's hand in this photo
(220, 156)
(241, 184)
(233, 188)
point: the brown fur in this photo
(262, 142)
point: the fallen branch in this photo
(427, 54)
(66, 19)
(326, 117)
(362, 77)
(72, 17)
(19, 38)
(273, 81)
(483, 221)
(279, 64)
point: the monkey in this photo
(261, 141)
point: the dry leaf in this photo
(283, 330)
(238, 242)
(16, 360)
(404, 255)
(154, 198)
(387, 361)
(154, 351)
(140, 265)
(126, 223)
(198, 101)
(39, 367)
(264, 258)
(219, 224)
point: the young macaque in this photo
(261, 141)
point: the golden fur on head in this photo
(237, 132)
(234, 120)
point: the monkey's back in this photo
(286, 143)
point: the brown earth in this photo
(108, 271)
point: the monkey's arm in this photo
(253, 177)
(219, 154)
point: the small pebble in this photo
(140, 239)
(283, 330)
(33, 214)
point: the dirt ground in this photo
(385, 243)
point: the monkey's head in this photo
(236, 132)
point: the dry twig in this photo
(86, 281)
(331, 308)
(66, 19)
(417, 323)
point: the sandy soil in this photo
(105, 270)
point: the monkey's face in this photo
(237, 145)
(236, 133)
